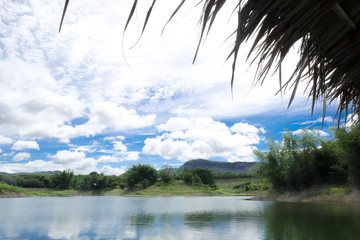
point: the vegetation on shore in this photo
(300, 168)
(301, 162)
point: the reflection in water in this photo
(312, 221)
(174, 218)
(142, 219)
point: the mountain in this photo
(215, 166)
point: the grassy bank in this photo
(225, 187)
(315, 194)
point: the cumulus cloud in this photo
(108, 170)
(318, 120)
(119, 152)
(351, 120)
(21, 145)
(21, 156)
(317, 132)
(5, 140)
(76, 161)
(191, 138)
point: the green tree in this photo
(63, 180)
(187, 176)
(205, 175)
(290, 164)
(348, 148)
(141, 176)
(165, 176)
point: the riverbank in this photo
(318, 194)
(228, 187)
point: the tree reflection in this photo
(142, 219)
(311, 221)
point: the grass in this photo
(225, 187)
(175, 188)
(338, 191)
(9, 188)
(53, 193)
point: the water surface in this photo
(174, 218)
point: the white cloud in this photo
(21, 145)
(112, 138)
(76, 161)
(5, 140)
(118, 117)
(318, 120)
(193, 138)
(108, 170)
(119, 146)
(21, 156)
(119, 157)
(65, 156)
(119, 152)
(108, 159)
(351, 120)
(77, 84)
(317, 132)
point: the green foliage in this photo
(198, 176)
(205, 175)
(339, 191)
(348, 148)
(95, 181)
(251, 186)
(28, 180)
(197, 179)
(187, 176)
(300, 162)
(141, 176)
(9, 188)
(166, 175)
(63, 180)
(230, 175)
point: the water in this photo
(174, 218)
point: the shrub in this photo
(141, 175)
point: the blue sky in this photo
(87, 100)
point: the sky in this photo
(96, 98)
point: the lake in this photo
(174, 218)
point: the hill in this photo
(215, 166)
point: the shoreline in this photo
(311, 195)
(303, 196)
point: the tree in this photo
(290, 164)
(205, 175)
(348, 144)
(187, 176)
(63, 180)
(141, 176)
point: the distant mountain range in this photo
(216, 166)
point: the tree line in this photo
(299, 162)
(138, 177)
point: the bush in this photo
(165, 175)
(205, 176)
(63, 180)
(141, 175)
